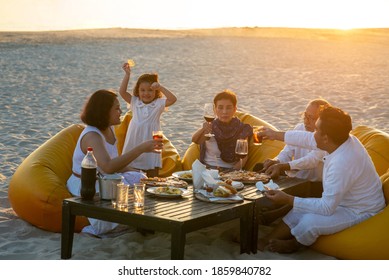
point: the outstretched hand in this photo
(270, 134)
(153, 145)
(279, 197)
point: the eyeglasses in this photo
(308, 117)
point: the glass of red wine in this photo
(209, 116)
(241, 150)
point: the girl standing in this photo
(147, 103)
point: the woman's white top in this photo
(74, 183)
(145, 119)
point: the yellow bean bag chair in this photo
(38, 186)
(268, 149)
(368, 240)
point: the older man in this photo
(296, 161)
(352, 190)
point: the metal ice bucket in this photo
(107, 185)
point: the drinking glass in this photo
(122, 195)
(139, 194)
(241, 150)
(157, 134)
(257, 140)
(209, 116)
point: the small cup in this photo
(257, 140)
(139, 194)
(122, 195)
(157, 134)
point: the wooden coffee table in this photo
(175, 216)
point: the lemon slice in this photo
(131, 63)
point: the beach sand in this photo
(276, 91)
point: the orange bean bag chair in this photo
(38, 186)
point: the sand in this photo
(277, 91)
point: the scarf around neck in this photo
(226, 135)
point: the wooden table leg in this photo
(255, 224)
(246, 223)
(68, 221)
(178, 237)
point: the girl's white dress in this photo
(145, 119)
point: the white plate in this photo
(179, 175)
(152, 190)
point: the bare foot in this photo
(262, 243)
(283, 246)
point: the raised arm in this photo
(123, 86)
(111, 165)
(199, 136)
(171, 98)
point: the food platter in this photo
(237, 185)
(210, 198)
(169, 192)
(164, 182)
(183, 175)
(246, 177)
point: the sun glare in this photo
(188, 14)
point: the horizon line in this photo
(194, 29)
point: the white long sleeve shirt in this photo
(304, 163)
(349, 179)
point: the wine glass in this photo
(209, 116)
(241, 150)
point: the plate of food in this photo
(229, 183)
(164, 182)
(185, 175)
(220, 194)
(168, 191)
(245, 177)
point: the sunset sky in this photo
(31, 15)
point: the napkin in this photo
(260, 185)
(209, 179)
(211, 197)
(197, 176)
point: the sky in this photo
(42, 15)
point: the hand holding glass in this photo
(257, 139)
(241, 150)
(209, 116)
(157, 135)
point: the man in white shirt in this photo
(296, 161)
(352, 190)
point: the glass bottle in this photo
(88, 175)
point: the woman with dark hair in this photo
(219, 151)
(101, 112)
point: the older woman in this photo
(101, 112)
(219, 151)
